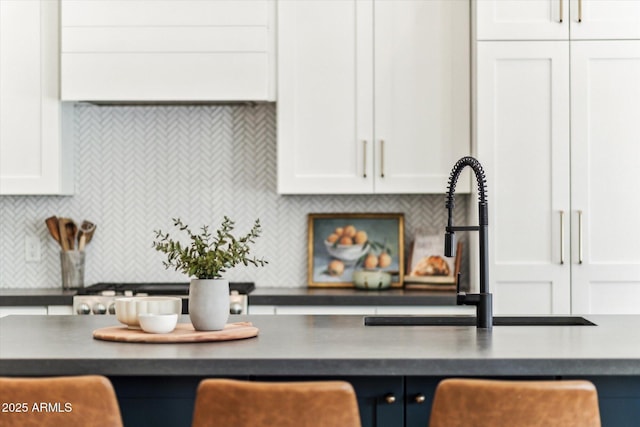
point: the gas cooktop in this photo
(153, 288)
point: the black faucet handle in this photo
(449, 244)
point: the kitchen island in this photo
(384, 363)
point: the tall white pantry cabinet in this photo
(558, 129)
(34, 159)
(373, 95)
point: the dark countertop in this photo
(35, 297)
(348, 296)
(326, 346)
(262, 296)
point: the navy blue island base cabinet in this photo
(419, 392)
(383, 401)
(619, 400)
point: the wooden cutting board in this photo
(184, 332)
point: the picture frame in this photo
(341, 243)
(428, 268)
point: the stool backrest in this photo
(236, 403)
(497, 403)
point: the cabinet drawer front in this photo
(164, 39)
(169, 76)
(164, 12)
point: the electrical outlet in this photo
(31, 249)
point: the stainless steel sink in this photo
(471, 321)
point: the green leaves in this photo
(206, 257)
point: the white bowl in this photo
(128, 308)
(158, 323)
(349, 254)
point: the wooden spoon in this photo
(62, 232)
(52, 226)
(87, 228)
(66, 227)
(72, 232)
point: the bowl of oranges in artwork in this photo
(347, 244)
(350, 246)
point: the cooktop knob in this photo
(83, 309)
(235, 308)
(112, 308)
(99, 308)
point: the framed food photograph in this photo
(428, 268)
(341, 243)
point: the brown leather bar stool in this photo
(87, 400)
(235, 403)
(497, 403)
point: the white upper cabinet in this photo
(373, 96)
(557, 19)
(34, 159)
(421, 94)
(325, 105)
(168, 50)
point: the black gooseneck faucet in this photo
(482, 300)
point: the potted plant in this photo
(205, 258)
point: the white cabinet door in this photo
(33, 157)
(342, 130)
(422, 106)
(605, 19)
(523, 142)
(605, 151)
(168, 50)
(325, 98)
(522, 20)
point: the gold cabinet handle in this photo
(561, 10)
(364, 158)
(579, 10)
(420, 398)
(390, 398)
(561, 237)
(382, 158)
(579, 237)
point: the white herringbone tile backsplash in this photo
(138, 167)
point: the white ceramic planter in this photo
(209, 304)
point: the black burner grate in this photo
(156, 288)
